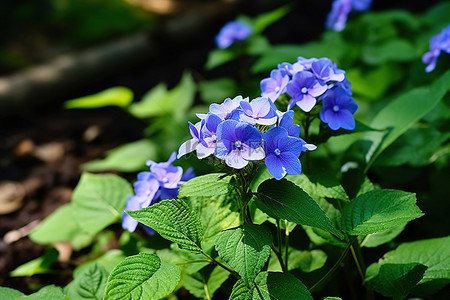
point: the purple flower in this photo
(287, 122)
(302, 64)
(282, 152)
(337, 18)
(325, 70)
(361, 5)
(303, 88)
(338, 109)
(259, 111)
(190, 145)
(208, 136)
(225, 110)
(274, 86)
(438, 43)
(231, 32)
(239, 143)
(128, 222)
(167, 175)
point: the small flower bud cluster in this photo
(238, 131)
(231, 32)
(160, 183)
(311, 80)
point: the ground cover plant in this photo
(305, 175)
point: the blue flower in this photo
(337, 18)
(208, 136)
(282, 152)
(438, 43)
(287, 122)
(226, 109)
(325, 70)
(167, 175)
(338, 109)
(190, 145)
(231, 32)
(303, 88)
(238, 143)
(274, 86)
(260, 110)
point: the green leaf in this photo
(209, 185)
(179, 257)
(173, 220)
(98, 200)
(393, 50)
(116, 96)
(218, 57)
(241, 291)
(262, 21)
(379, 210)
(417, 102)
(107, 261)
(284, 200)
(307, 261)
(279, 286)
(215, 90)
(130, 157)
(142, 276)
(203, 285)
(395, 280)
(60, 226)
(40, 265)
(89, 284)
(379, 238)
(47, 292)
(245, 249)
(433, 253)
(159, 101)
(10, 294)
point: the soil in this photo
(42, 151)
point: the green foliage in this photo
(40, 265)
(99, 200)
(209, 185)
(142, 276)
(89, 284)
(173, 220)
(9, 293)
(396, 280)
(432, 253)
(47, 292)
(271, 285)
(379, 238)
(284, 200)
(379, 210)
(245, 249)
(128, 157)
(116, 96)
(204, 284)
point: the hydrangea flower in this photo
(438, 43)
(325, 70)
(208, 136)
(226, 109)
(239, 143)
(282, 152)
(259, 111)
(337, 18)
(303, 88)
(190, 145)
(231, 32)
(274, 86)
(160, 183)
(338, 109)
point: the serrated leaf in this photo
(245, 249)
(433, 253)
(47, 292)
(89, 284)
(209, 185)
(40, 265)
(241, 291)
(307, 261)
(396, 280)
(128, 157)
(142, 276)
(115, 96)
(283, 199)
(379, 210)
(379, 238)
(108, 261)
(61, 225)
(98, 200)
(271, 285)
(204, 284)
(173, 220)
(11, 294)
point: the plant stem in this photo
(286, 249)
(334, 268)
(212, 260)
(193, 261)
(280, 259)
(357, 256)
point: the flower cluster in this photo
(231, 32)
(438, 43)
(239, 131)
(160, 183)
(310, 80)
(337, 18)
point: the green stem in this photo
(357, 257)
(334, 268)
(286, 249)
(193, 261)
(212, 260)
(280, 259)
